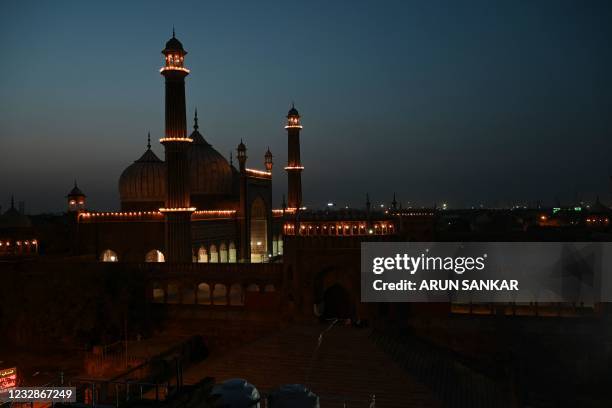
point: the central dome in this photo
(209, 172)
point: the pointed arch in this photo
(232, 252)
(109, 255)
(155, 255)
(202, 254)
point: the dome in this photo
(143, 184)
(236, 393)
(210, 173)
(76, 191)
(14, 219)
(292, 111)
(174, 45)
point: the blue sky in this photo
(465, 102)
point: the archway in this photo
(159, 294)
(232, 252)
(202, 254)
(337, 303)
(203, 295)
(155, 255)
(214, 255)
(223, 252)
(259, 231)
(236, 296)
(109, 256)
(219, 296)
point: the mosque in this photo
(195, 205)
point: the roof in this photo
(14, 219)
(209, 171)
(144, 180)
(174, 44)
(76, 191)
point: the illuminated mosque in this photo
(194, 205)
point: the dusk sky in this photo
(464, 102)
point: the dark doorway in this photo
(337, 303)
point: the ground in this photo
(346, 367)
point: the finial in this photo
(172, 30)
(12, 201)
(75, 184)
(149, 140)
(284, 202)
(292, 104)
(195, 120)
(231, 158)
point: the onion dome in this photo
(174, 44)
(293, 112)
(209, 171)
(236, 393)
(13, 219)
(76, 191)
(142, 185)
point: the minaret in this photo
(245, 230)
(176, 142)
(294, 166)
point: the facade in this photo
(193, 206)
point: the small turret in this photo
(241, 155)
(268, 160)
(76, 199)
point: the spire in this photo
(12, 201)
(231, 158)
(75, 183)
(195, 120)
(173, 31)
(148, 143)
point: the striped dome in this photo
(209, 173)
(144, 180)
